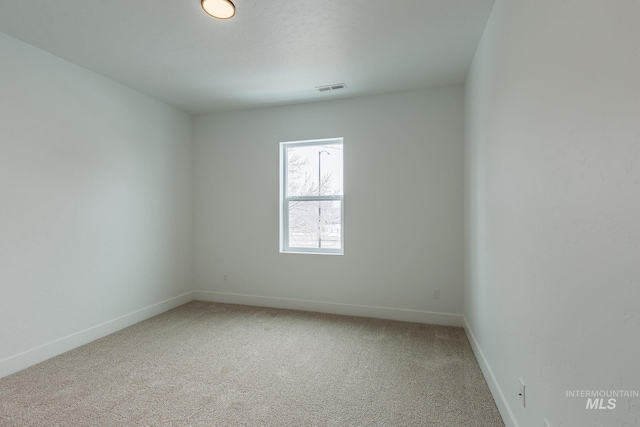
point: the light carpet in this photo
(210, 364)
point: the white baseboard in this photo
(333, 308)
(39, 354)
(496, 391)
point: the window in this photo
(311, 198)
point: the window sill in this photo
(311, 253)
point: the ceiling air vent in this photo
(331, 87)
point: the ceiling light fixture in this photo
(221, 9)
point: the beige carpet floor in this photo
(209, 364)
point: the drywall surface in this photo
(403, 220)
(552, 133)
(95, 195)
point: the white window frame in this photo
(285, 199)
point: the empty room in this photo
(320, 213)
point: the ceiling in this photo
(273, 52)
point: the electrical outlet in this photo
(522, 393)
(436, 294)
(546, 423)
(225, 278)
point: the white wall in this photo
(553, 207)
(95, 194)
(403, 160)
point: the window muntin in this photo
(311, 190)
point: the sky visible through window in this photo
(304, 163)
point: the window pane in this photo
(310, 165)
(315, 224)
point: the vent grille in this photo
(327, 88)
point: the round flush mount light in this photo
(221, 9)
